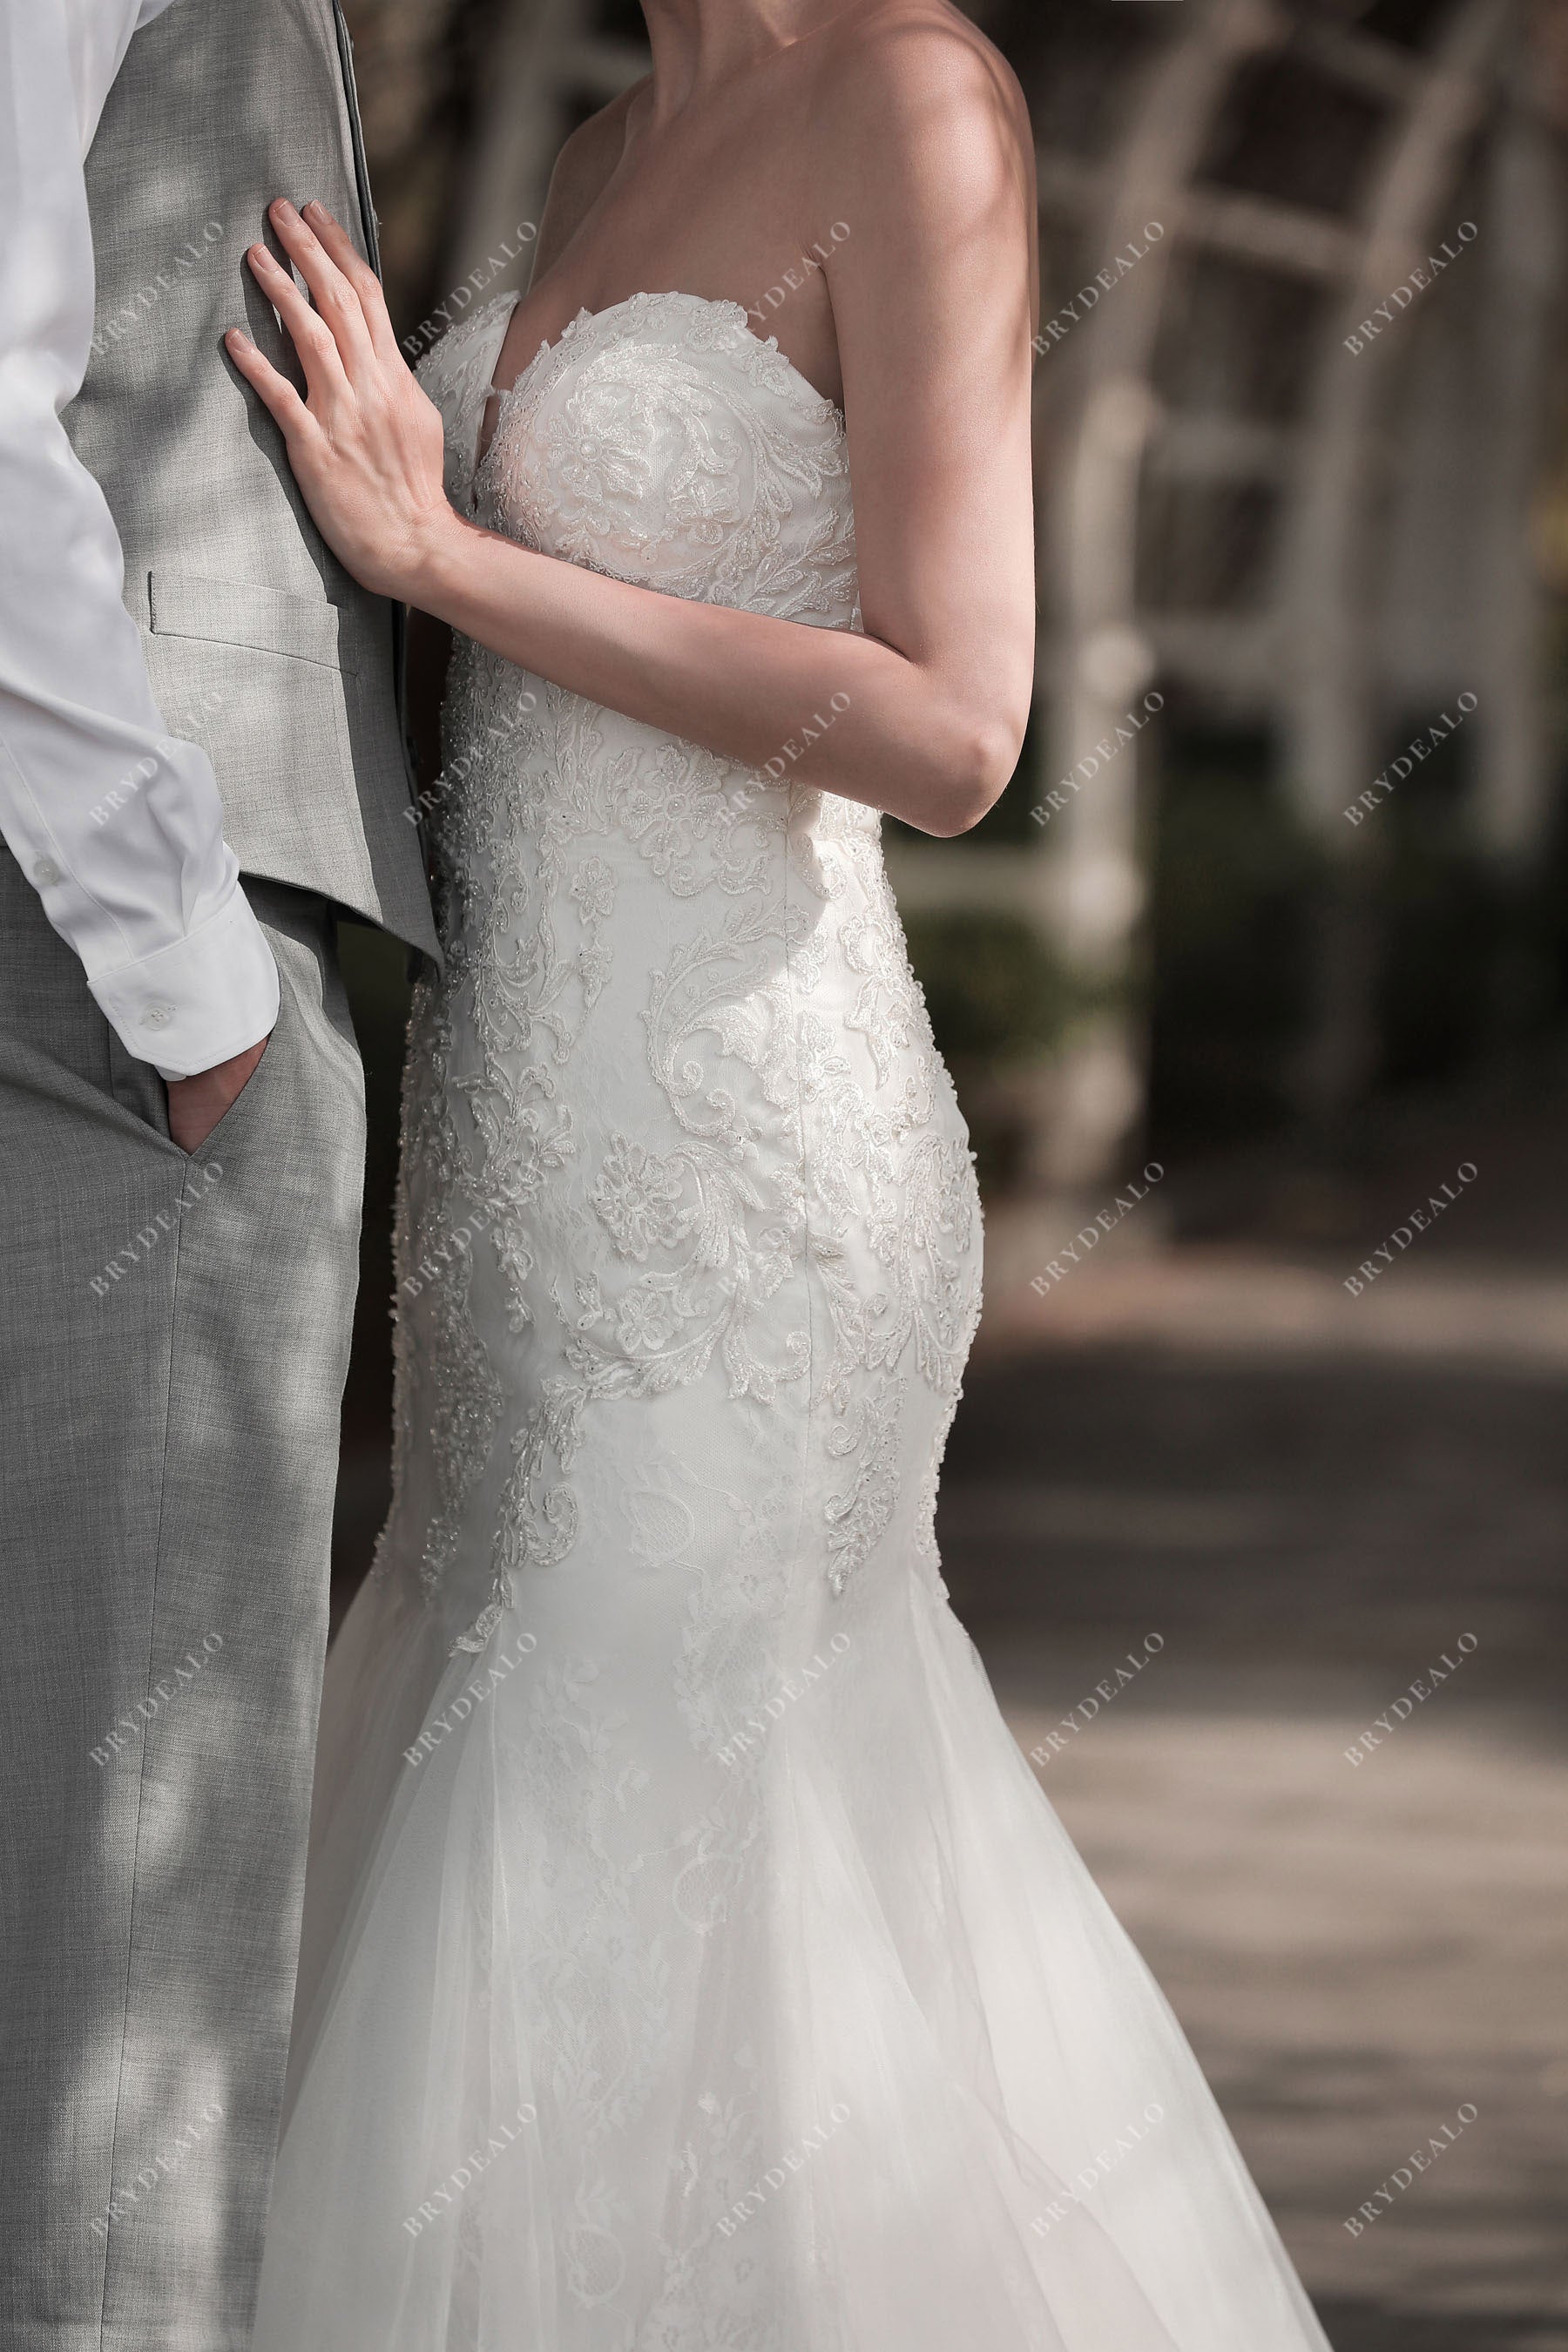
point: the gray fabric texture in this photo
(174, 1340)
(261, 646)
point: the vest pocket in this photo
(242, 613)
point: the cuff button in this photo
(157, 1016)
(47, 873)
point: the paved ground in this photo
(1193, 1443)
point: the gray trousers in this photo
(173, 1339)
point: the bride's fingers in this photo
(313, 338)
(340, 249)
(279, 394)
(331, 292)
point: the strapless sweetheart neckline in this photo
(734, 312)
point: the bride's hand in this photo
(365, 442)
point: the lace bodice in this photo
(659, 440)
(788, 1153)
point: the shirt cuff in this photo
(199, 1001)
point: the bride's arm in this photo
(931, 298)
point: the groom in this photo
(181, 1142)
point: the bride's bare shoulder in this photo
(898, 67)
(583, 168)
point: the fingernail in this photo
(315, 211)
(285, 207)
(237, 335)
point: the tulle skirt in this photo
(824, 2042)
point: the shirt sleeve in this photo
(117, 825)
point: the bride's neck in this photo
(699, 44)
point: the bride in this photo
(691, 1962)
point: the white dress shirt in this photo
(117, 825)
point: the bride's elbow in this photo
(975, 775)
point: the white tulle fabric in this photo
(691, 1962)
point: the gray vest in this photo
(261, 647)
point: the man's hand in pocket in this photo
(196, 1105)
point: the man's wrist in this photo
(198, 1103)
(245, 1058)
(199, 999)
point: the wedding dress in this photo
(691, 1961)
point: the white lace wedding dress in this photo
(691, 1962)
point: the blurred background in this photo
(1246, 1039)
